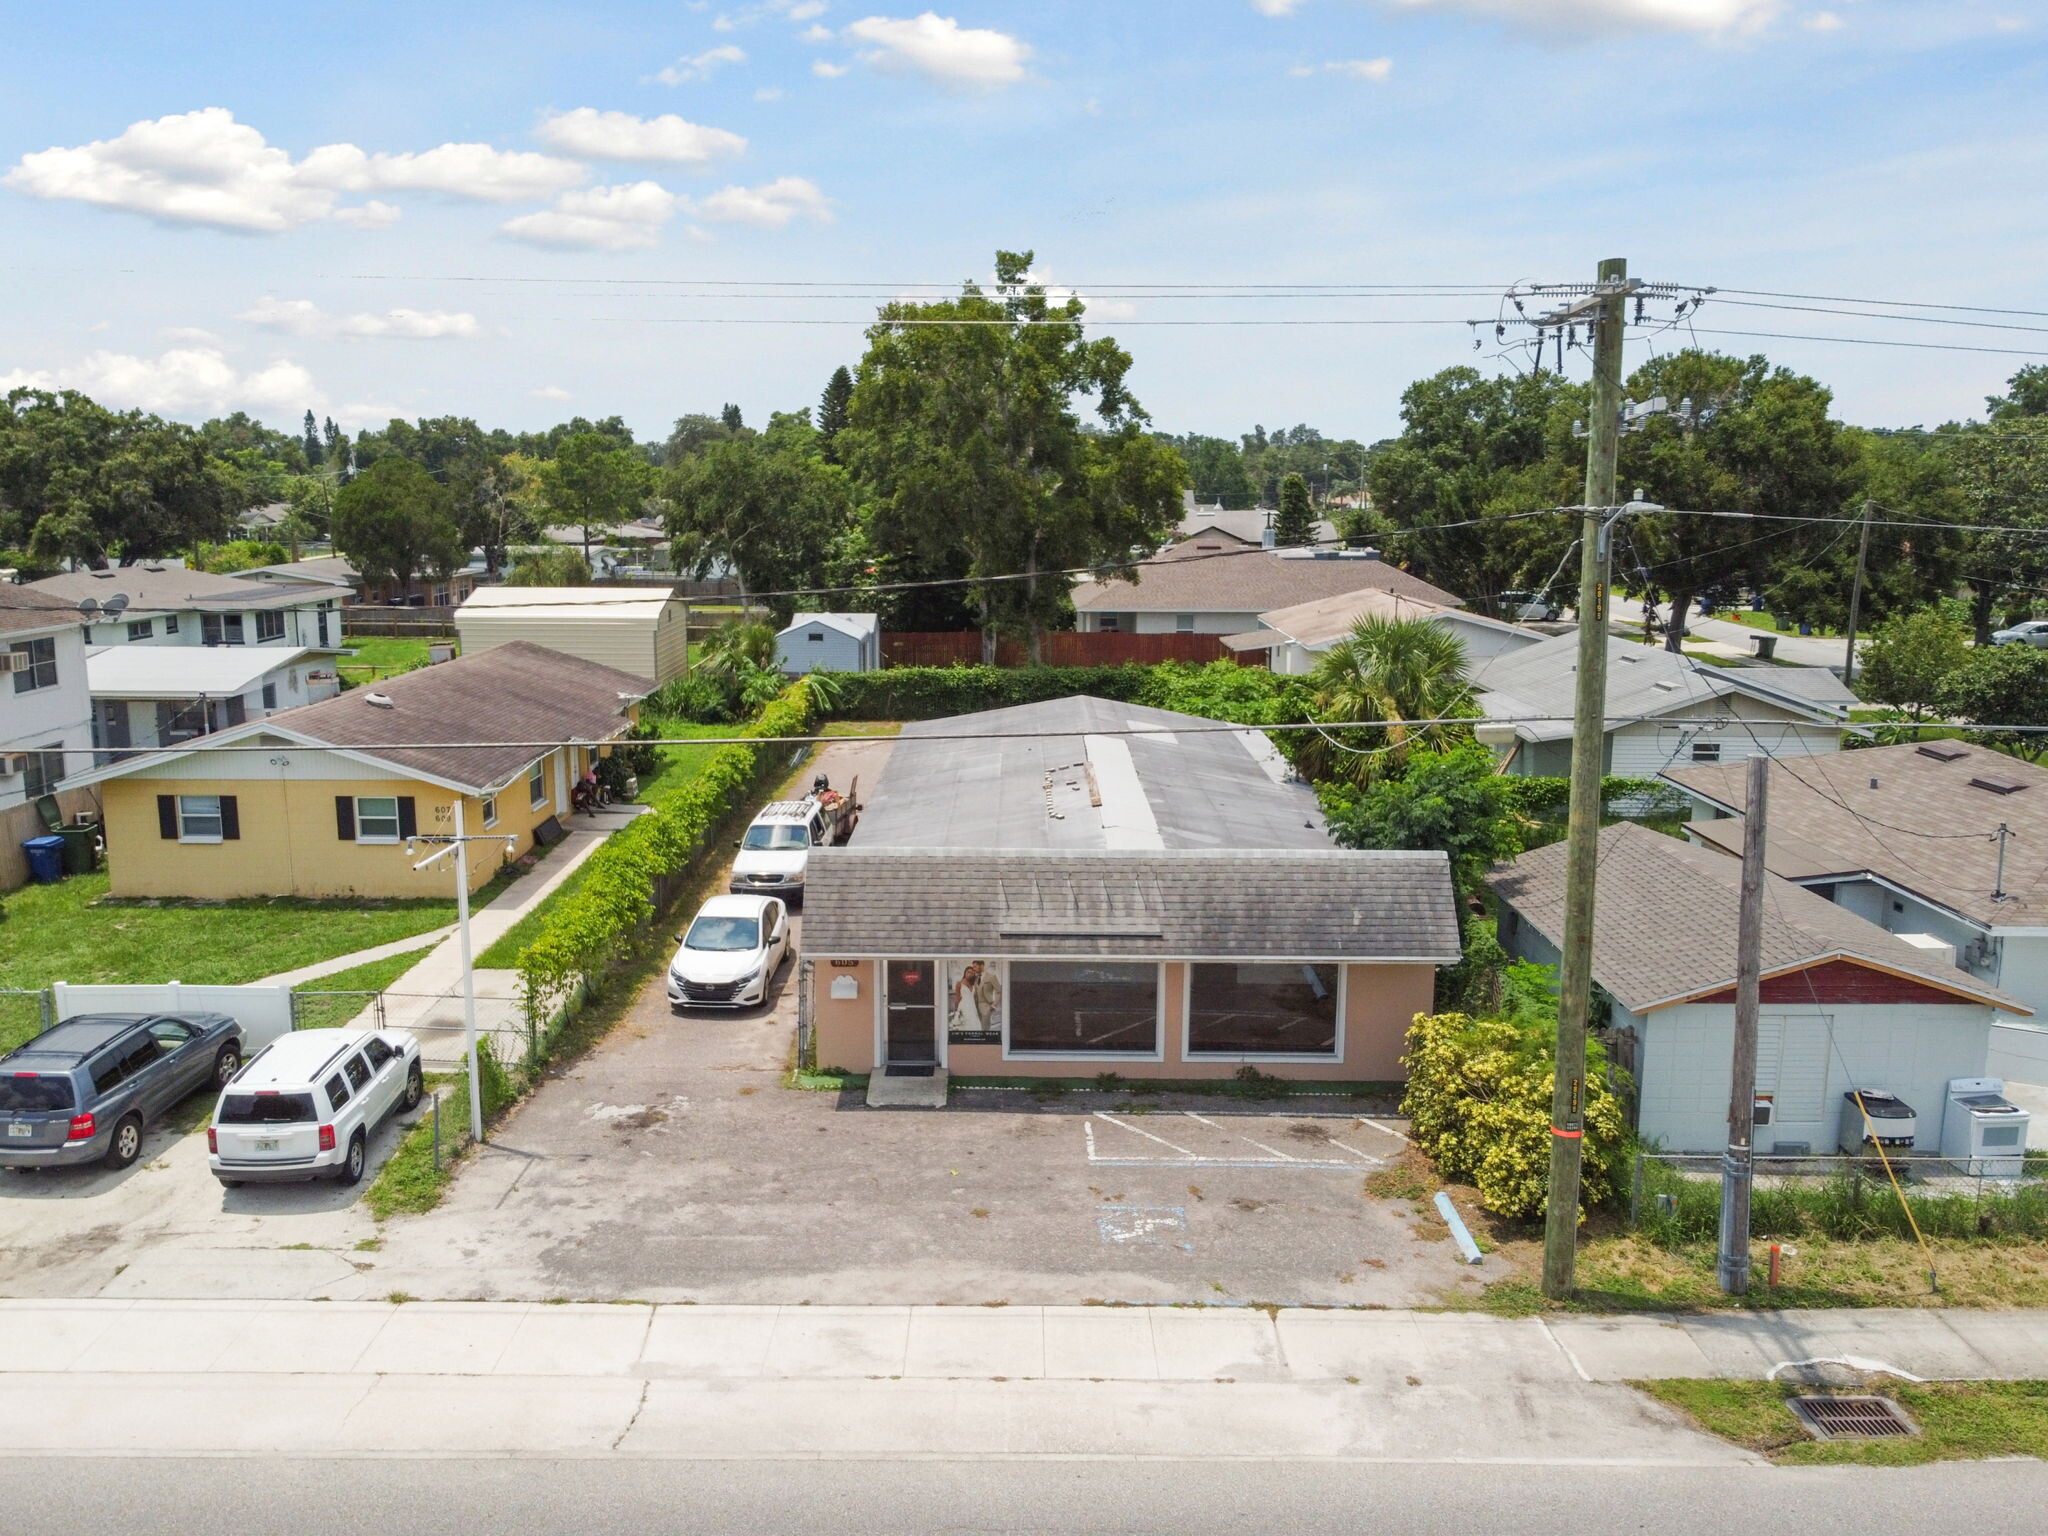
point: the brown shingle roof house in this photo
(1846, 1006)
(1223, 592)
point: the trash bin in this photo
(81, 848)
(45, 859)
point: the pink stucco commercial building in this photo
(1083, 886)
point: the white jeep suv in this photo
(305, 1105)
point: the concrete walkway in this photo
(750, 1382)
(428, 998)
(354, 958)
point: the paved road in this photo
(530, 1497)
(1804, 650)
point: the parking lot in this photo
(670, 1163)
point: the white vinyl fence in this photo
(263, 1012)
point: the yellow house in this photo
(319, 801)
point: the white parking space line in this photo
(1103, 1114)
(1103, 1152)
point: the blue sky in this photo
(430, 209)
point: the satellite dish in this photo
(114, 605)
(88, 606)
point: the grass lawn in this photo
(379, 656)
(1959, 1421)
(331, 1011)
(65, 932)
(1768, 622)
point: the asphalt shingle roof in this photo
(1182, 903)
(175, 589)
(21, 609)
(1250, 582)
(1665, 918)
(1908, 814)
(506, 698)
(1175, 782)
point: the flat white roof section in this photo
(142, 671)
(1127, 819)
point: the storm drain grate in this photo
(1852, 1418)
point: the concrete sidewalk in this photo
(340, 1378)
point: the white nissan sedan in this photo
(730, 953)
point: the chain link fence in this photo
(1675, 1198)
(24, 1014)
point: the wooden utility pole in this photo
(1589, 741)
(1856, 593)
(1737, 1165)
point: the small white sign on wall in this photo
(845, 988)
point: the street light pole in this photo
(458, 845)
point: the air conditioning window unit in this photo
(13, 765)
(13, 661)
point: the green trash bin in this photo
(81, 848)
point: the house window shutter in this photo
(408, 820)
(345, 818)
(167, 817)
(230, 819)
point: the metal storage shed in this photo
(830, 642)
(644, 632)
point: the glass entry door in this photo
(912, 1034)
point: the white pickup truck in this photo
(778, 842)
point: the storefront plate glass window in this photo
(1084, 1007)
(1262, 1010)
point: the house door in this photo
(911, 1036)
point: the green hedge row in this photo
(1546, 799)
(606, 916)
(927, 693)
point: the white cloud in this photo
(203, 167)
(551, 392)
(768, 206)
(804, 10)
(769, 93)
(825, 71)
(1823, 21)
(370, 215)
(817, 34)
(622, 136)
(940, 48)
(1361, 69)
(701, 65)
(1276, 7)
(198, 334)
(1705, 16)
(622, 218)
(189, 168)
(302, 317)
(457, 170)
(186, 381)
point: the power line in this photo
(1827, 298)
(1870, 341)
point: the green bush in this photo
(1536, 798)
(1478, 1097)
(1845, 1207)
(607, 915)
(929, 693)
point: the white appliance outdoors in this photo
(1982, 1131)
(1892, 1123)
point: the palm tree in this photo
(737, 648)
(1386, 673)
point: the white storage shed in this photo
(830, 642)
(642, 631)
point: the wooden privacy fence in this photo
(1061, 648)
(427, 619)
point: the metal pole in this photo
(1575, 981)
(437, 1130)
(1737, 1165)
(476, 1093)
(1856, 594)
(1998, 886)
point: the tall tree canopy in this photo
(394, 524)
(1295, 523)
(80, 482)
(1475, 456)
(970, 442)
(593, 483)
(768, 505)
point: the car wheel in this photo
(415, 1089)
(126, 1143)
(358, 1157)
(226, 1065)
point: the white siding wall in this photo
(301, 627)
(671, 644)
(1808, 1057)
(627, 644)
(1644, 750)
(1205, 623)
(45, 717)
(833, 651)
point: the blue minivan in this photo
(85, 1090)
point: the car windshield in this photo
(266, 1108)
(26, 1093)
(776, 837)
(723, 933)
